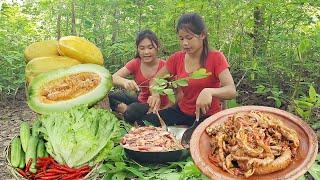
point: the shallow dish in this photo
(308, 147)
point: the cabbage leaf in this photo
(77, 136)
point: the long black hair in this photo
(146, 34)
(193, 22)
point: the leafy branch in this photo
(164, 86)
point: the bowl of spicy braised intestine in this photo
(150, 144)
(251, 142)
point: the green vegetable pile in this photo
(80, 135)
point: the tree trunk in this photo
(218, 21)
(140, 6)
(115, 29)
(67, 23)
(73, 19)
(259, 43)
(82, 17)
(59, 26)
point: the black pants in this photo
(171, 116)
(135, 110)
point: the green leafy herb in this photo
(165, 87)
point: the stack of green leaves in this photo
(128, 169)
(80, 135)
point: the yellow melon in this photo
(81, 49)
(44, 64)
(41, 49)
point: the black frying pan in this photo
(157, 157)
(161, 157)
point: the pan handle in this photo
(162, 123)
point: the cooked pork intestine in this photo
(150, 139)
(252, 143)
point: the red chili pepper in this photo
(59, 171)
(45, 159)
(44, 167)
(22, 173)
(28, 166)
(38, 175)
(83, 168)
(53, 177)
(71, 176)
(66, 168)
(50, 173)
(84, 171)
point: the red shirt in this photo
(134, 66)
(215, 63)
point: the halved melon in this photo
(44, 64)
(62, 89)
(41, 49)
(81, 49)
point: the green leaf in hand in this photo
(182, 82)
(200, 73)
(174, 84)
(158, 89)
(170, 94)
(161, 81)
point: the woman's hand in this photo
(204, 101)
(130, 85)
(154, 103)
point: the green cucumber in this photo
(15, 152)
(22, 160)
(35, 128)
(41, 149)
(32, 153)
(46, 154)
(24, 135)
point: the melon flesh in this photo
(62, 89)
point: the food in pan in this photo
(150, 139)
(252, 143)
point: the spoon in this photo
(185, 140)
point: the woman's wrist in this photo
(210, 91)
(154, 94)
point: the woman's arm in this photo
(119, 79)
(226, 91)
(154, 100)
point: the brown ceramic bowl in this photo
(308, 148)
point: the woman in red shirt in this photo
(201, 96)
(143, 67)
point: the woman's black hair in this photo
(146, 34)
(193, 22)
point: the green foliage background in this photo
(288, 62)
